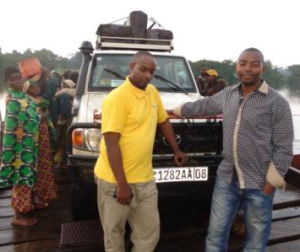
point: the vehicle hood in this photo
(93, 101)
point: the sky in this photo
(211, 29)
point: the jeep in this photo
(105, 68)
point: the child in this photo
(19, 149)
(45, 187)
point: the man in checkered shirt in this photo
(257, 149)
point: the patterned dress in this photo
(30, 149)
(20, 138)
(45, 187)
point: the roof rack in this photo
(125, 43)
(134, 35)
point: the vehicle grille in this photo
(192, 138)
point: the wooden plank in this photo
(48, 245)
(286, 213)
(6, 212)
(5, 202)
(282, 231)
(293, 176)
(286, 204)
(37, 246)
(291, 246)
(34, 233)
(285, 230)
(5, 223)
(5, 194)
(291, 193)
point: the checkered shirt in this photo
(263, 133)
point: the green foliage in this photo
(273, 76)
(224, 68)
(278, 78)
(48, 59)
(75, 61)
(294, 78)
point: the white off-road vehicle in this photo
(104, 69)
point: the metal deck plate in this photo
(81, 233)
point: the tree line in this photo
(48, 59)
(278, 78)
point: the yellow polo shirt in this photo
(134, 113)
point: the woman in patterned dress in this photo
(45, 187)
(19, 149)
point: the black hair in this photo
(254, 50)
(8, 71)
(139, 54)
(74, 77)
(67, 74)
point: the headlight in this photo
(92, 139)
(86, 139)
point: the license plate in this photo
(180, 174)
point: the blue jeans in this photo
(225, 204)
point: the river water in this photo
(292, 96)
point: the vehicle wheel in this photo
(83, 204)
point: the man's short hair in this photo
(254, 50)
(139, 54)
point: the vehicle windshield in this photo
(171, 75)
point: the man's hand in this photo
(124, 194)
(180, 158)
(268, 188)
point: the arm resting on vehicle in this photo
(209, 106)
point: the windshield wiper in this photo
(114, 73)
(174, 85)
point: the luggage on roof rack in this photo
(134, 35)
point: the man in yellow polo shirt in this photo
(126, 187)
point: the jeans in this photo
(225, 204)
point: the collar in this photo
(136, 91)
(264, 87)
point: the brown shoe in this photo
(23, 219)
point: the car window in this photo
(171, 75)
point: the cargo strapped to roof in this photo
(134, 35)
(122, 43)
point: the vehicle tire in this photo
(83, 203)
